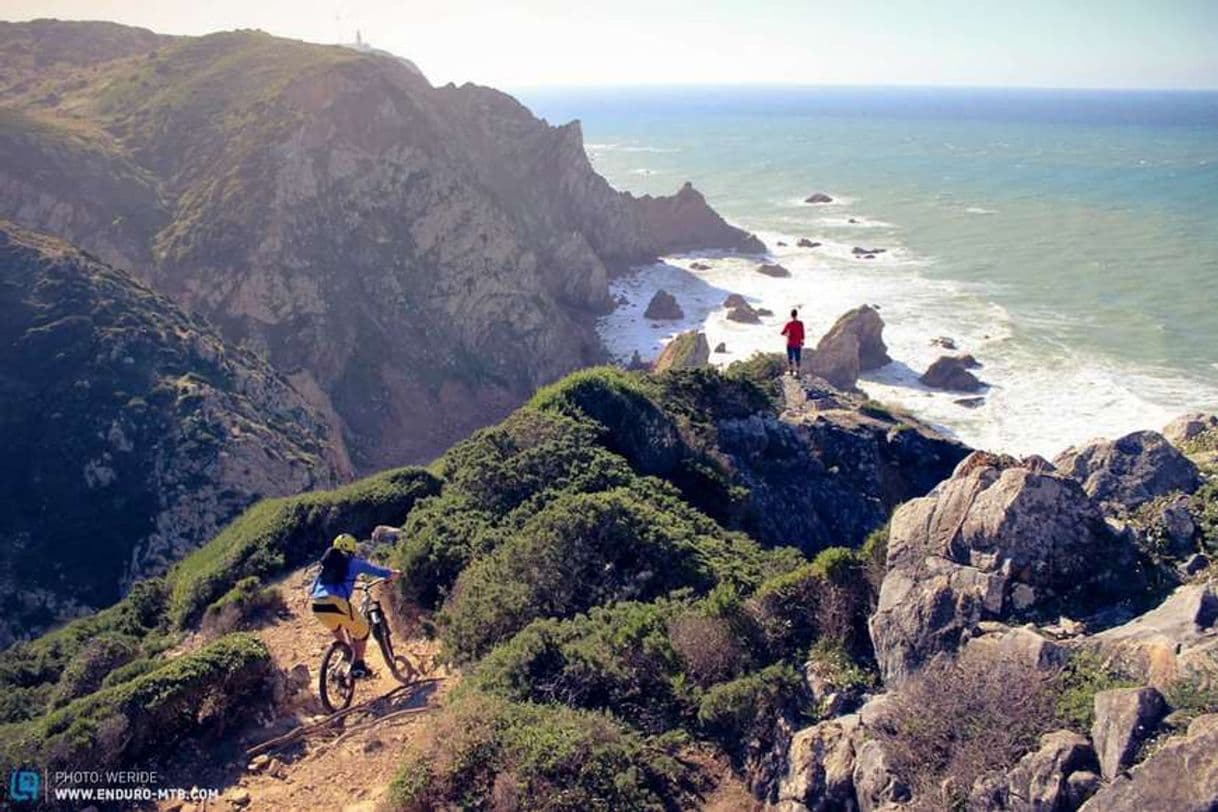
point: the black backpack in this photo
(333, 567)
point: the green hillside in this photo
(610, 627)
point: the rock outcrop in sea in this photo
(951, 372)
(663, 307)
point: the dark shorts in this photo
(793, 355)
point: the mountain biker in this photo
(794, 331)
(331, 593)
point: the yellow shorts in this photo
(335, 613)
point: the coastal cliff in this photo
(416, 259)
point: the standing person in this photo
(794, 331)
(331, 594)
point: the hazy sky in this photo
(513, 43)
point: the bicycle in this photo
(335, 681)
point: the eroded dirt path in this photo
(344, 766)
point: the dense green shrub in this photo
(141, 718)
(84, 673)
(734, 713)
(579, 551)
(764, 370)
(616, 658)
(487, 752)
(1204, 507)
(828, 598)
(277, 534)
(502, 467)
(28, 670)
(497, 478)
(623, 404)
(1194, 694)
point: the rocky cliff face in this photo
(417, 259)
(130, 432)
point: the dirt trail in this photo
(334, 768)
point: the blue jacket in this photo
(355, 568)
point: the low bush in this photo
(277, 534)
(762, 369)
(244, 606)
(490, 753)
(494, 480)
(29, 670)
(579, 551)
(829, 598)
(960, 719)
(745, 710)
(1204, 507)
(617, 658)
(1194, 694)
(142, 718)
(84, 673)
(623, 404)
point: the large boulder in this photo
(1124, 718)
(1001, 539)
(1022, 645)
(1130, 471)
(1181, 776)
(838, 764)
(1175, 639)
(818, 197)
(820, 768)
(663, 307)
(837, 361)
(686, 350)
(876, 782)
(1040, 782)
(951, 372)
(854, 344)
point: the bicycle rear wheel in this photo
(335, 685)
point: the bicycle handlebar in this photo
(368, 584)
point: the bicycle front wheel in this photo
(335, 685)
(401, 668)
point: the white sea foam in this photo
(852, 221)
(616, 147)
(980, 210)
(1043, 396)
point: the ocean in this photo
(1067, 239)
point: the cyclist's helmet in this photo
(344, 542)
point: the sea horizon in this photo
(1060, 235)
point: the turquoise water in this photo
(1065, 237)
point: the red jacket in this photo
(794, 331)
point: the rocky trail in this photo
(304, 759)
